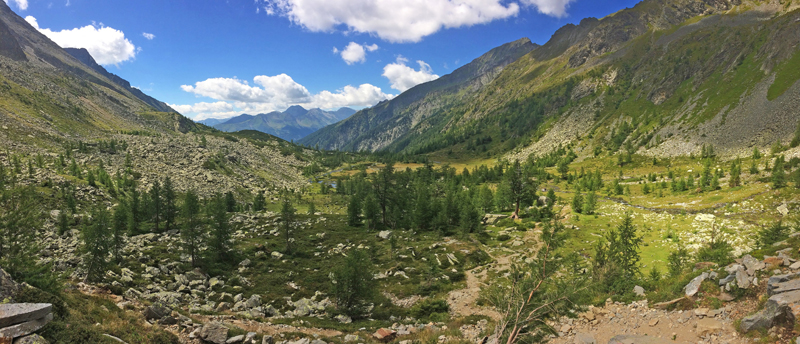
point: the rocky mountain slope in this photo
(679, 74)
(293, 124)
(391, 121)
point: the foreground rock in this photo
(214, 332)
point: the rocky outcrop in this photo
(783, 306)
(22, 319)
(8, 288)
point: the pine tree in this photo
(383, 184)
(354, 211)
(260, 202)
(134, 212)
(230, 202)
(422, 208)
(219, 244)
(156, 204)
(486, 199)
(590, 203)
(118, 227)
(20, 223)
(90, 179)
(736, 173)
(577, 202)
(352, 284)
(192, 231)
(470, 218)
(756, 153)
(170, 207)
(371, 211)
(646, 189)
(520, 187)
(63, 222)
(287, 221)
(311, 208)
(96, 244)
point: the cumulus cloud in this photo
(403, 77)
(391, 20)
(555, 8)
(149, 36)
(270, 93)
(108, 46)
(355, 53)
(21, 4)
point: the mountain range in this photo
(666, 77)
(292, 124)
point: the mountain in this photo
(212, 121)
(377, 127)
(292, 124)
(665, 76)
(48, 95)
(87, 59)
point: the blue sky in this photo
(223, 58)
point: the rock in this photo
(783, 287)
(795, 265)
(723, 296)
(653, 322)
(708, 326)
(624, 339)
(701, 312)
(317, 341)
(156, 312)
(250, 337)
(384, 235)
(214, 332)
(350, 338)
(742, 279)
(384, 334)
(639, 291)
(8, 288)
(222, 307)
(17, 313)
(780, 308)
(752, 265)
(343, 319)
(31, 339)
(267, 339)
(25, 328)
(783, 209)
(773, 262)
(276, 255)
(299, 341)
(584, 338)
(727, 280)
(235, 339)
(253, 302)
(491, 219)
(694, 286)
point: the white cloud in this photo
(355, 53)
(391, 20)
(107, 46)
(276, 93)
(21, 4)
(149, 36)
(403, 77)
(555, 8)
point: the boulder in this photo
(742, 279)
(343, 319)
(267, 339)
(31, 339)
(17, 313)
(214, 332)
(253, 302)
(752, 265)
(235, 339)
(8, 288)
(25, 328)
(156, 312)
(384, 334)
(694, 286)
(708, 326)
(783, 287)
(639, 291)
(780, 308)
(384, 235)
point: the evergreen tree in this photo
(646, 189)
(311, 208)
(90, 179)
(20, 222)
(756, 153)
(219, 244)
(134, 212)
(422, 208)
(170, 207)
(486, 199)
(156, 205)
(577, 202)
(470, 218)
(352, 283)
(230, 202)
(778, 173)
(287, 221)
(192, 226)
(260, 202)
(96, 244)
(754, 168)
(63, 222)
(354, 211)
(736, 173)
(371, 211)
(590, 203)
(624, 247)
(118, 227)
(520, 187)
(384, 189)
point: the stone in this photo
(267, 339)
(708, 326)
(384, 235)
(694, 286)
(752, 265)
(276, 255)
(780, 308)
(773, 262)
(31, 339)
(742, 279)
(723, 296)
(625, 339)
(783, 287)
(727, 280)
(350, 338)
(795, 265)
(343, 319)
(253, 302)
(317, 341)
(384, 334)
(156, 312)
(222, 307)
(701, 312)
(783, 209)
(639, 291)
(653, 322)
(214, 332)
(250, 337)
(26, 328)
(235, 339)
(584, 338)
(8, 287)
(17, 313)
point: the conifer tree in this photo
(372, 212)
(778, 173)
(230, 202)
(577, 202)
(118, 227)
(736, 173)
(260, 202)
(520, 187)
(287, 221)
(156, 205)
(354, 211)
(219, 244)
(134, 212)
(590, 203)
(96, 243)
(170, 207)
(192, 231)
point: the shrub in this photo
(772, 234)
(427, 308)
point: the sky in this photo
(222, 58)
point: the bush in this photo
(503, 237)
(428, 308)
(772, 234)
